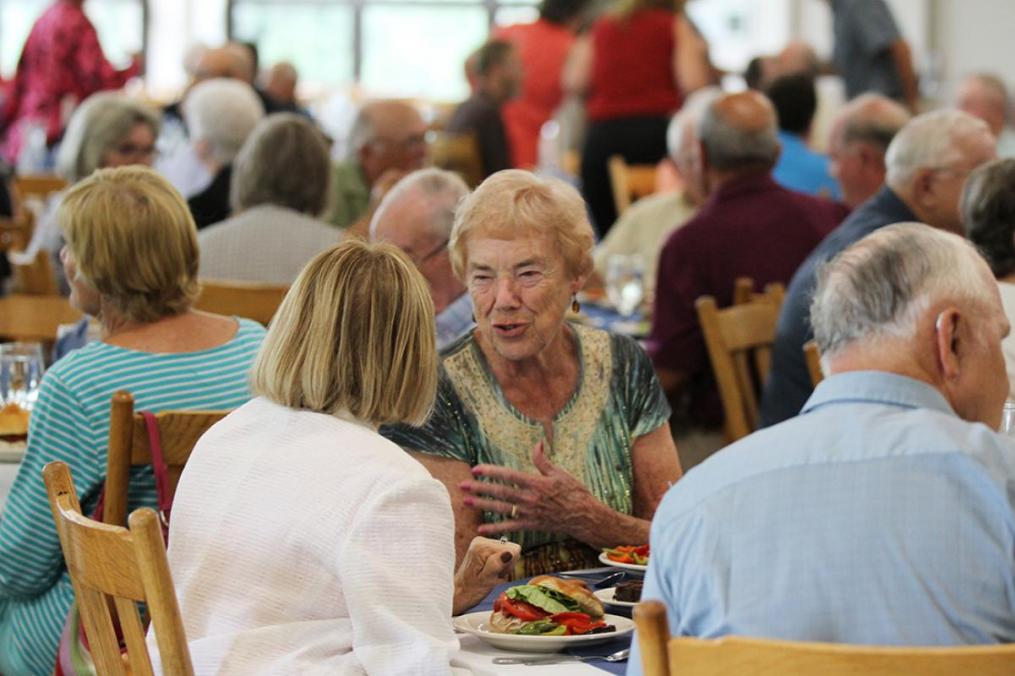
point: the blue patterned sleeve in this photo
(642, 397)
(446, 431)
(30, 556)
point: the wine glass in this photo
(21, 369)
(625, 282)
(1008, 419)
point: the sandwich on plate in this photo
(549, 606)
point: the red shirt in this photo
(632, 66)
(62, 58)
(542, 47)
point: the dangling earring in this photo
(575, 305)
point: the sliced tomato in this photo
(629, 554)
(521, 609)
(577, 623)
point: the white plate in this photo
(618, 564)
(606, 596)
(476, 624)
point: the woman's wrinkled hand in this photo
(551, 501)
(486, 564)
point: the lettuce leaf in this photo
(549, 600)
(542, 628)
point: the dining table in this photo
(34, 318)
(478, 656)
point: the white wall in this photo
(173, 27)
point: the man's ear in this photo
(923, 187)
(946, 332)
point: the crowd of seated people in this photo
(428, 385)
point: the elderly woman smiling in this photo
(554, 432)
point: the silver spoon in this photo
(618, 656)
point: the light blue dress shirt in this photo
(800, 168)
(454, 321)
(877, 516)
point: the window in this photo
(119, 23)
(410, 48)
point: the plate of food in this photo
(628, 557)
(624, 595)
(545, 615)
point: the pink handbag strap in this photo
(161, 470)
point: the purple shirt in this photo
(750, 226)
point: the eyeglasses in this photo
(131, 150)
(405, 144)
(420, 261)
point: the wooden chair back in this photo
(686, 656)
(252, 300)
(35, 278)
(738, 338)
(113, 566)
(15, 233)
(458, 153)
(813, 358)
(37, 186)
(129, 447)
(630, 182)
(743, 292)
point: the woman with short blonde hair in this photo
(130, 260)
(365, 581)
(549, 432)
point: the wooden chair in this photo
(128, 447)
(15, 233)
(743, 292)
(244, 299)
(35, 278)
(37, 186)
(458, 153)
(113, 566)
(813, 358)
(684, 656)
(630, 181)
(737, 336)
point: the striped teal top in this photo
(70, 422)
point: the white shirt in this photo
(266, 243)
(301, 543)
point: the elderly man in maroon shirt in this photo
(750, 226)
(62, 62)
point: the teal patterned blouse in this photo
(618, 399)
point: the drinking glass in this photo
(21, 368)
(625, 282)
(1008, 419)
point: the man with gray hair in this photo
(750, 226)
(220, 114)
(985, 96)
(387, 141)
(926, 168)
(883, 514)
(416, 216)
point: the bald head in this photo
(984, 96)
(859, 137)
(280, 83)
(388, 135)
(738, 132)
(225, 62)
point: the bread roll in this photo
(576, 589)
(505, 624)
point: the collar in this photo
(886, 202)
(752, 182)
(880, 387)
(788, 139)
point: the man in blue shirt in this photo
(884, 513)
(799, 168)
(927, 165)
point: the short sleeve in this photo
(644, 402)
(30, 556)
(873, 25)
(445, 433)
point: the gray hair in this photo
(728, 148)
(879, 286)
(284, 162)
(440, 192)
(222, 112)
(931, 140)
(988, 213)
(96, 126)
(874, 119)
(687, 118)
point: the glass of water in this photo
(1008, 419)
(21, 368)
(625, 282)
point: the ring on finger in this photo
(514, 511)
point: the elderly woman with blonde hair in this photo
(549, 431)
(302, 541)
(131, 260)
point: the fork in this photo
(618, 656)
